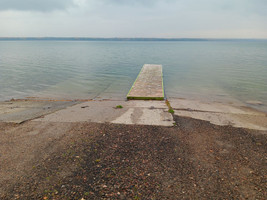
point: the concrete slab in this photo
(20, 111)
(146, 104)
(145, 116)
(195, 105)
(148, 84)
(228, 119)
(93, 111)
(220, 114)
(133, 112)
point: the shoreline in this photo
(54, 157)
(252, 104)
(218, 113)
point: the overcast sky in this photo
(134, 18)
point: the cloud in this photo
(134, 18)
(35, 5)
(135, 2)
(50, 5)
(130, 2)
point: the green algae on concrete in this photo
(148, 84)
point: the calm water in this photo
(211, 70)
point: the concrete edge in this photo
(135, 81)
(145, 98)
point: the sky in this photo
(134, 18)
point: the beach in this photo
(95, 150)
(133, 100)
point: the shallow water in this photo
(234, 71)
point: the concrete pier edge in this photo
(144, 97)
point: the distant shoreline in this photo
(117, 39)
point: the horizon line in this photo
(126, 38)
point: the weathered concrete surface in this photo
(20, 111)
(133, 112)
(220, 114)
(195, 105)
(148, 84)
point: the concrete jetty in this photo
(148, 84)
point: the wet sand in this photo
(192, 159)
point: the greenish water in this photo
(211, 70)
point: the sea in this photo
(209, 70)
